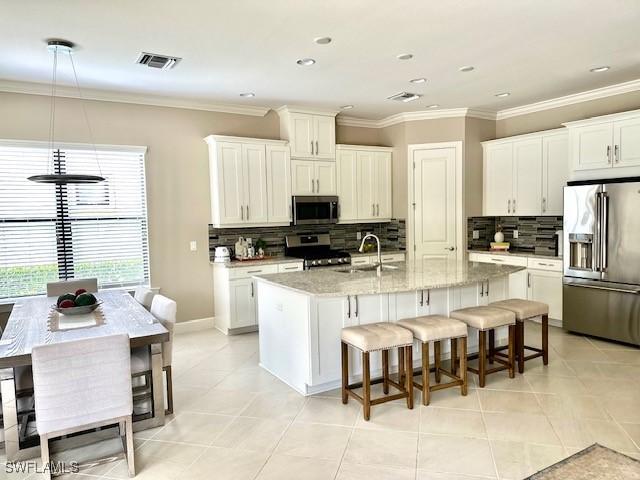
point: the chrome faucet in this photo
(361, 249)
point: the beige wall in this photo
(177, 175)
(548, 119)
(358, 136)
(476, 131)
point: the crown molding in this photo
(611, 90)
(309, 110)
(121, 97)
(415, 116)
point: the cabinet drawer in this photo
(247, 272)
(392, 257)
(500, 259)
(360, 260)
(545, 264)
(290, 267)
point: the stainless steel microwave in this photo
(315, 210)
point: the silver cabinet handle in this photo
(313, 185)
(377, 209)
(608, 153)
(254, 271)
(428, 297)
(451, 249)
(604, 241)
(487, 291)
(373, 209)
(311, 147)
(316, 147)
(544, 204)
(497, 260)
(529, 280)
(317, 182)
(615, 153)
(509, 206)
(514, 206)
(482, 289)
(247, 212)
(349, 306)
(356, 297)
(251, 289)
(609, 289)
(422, 298)
(241, 212)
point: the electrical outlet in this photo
(193, 246)
(476, 234)
(515, 234)
(358, 235)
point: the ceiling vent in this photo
(404, 97)
(153, 60)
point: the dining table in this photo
(30, 324)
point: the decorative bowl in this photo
(77, 310)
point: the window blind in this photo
(52, 232)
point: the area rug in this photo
(593, 463)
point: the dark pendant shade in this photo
(64, 179)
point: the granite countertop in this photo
(374, 252)
(516, 253)
(410, 276)
(252, 263)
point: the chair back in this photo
(81, 382)
(55, 289)
(144, 296)
(164, 309)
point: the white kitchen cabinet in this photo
(325, 178)
(546, 286)
(527, 177)
(250, 181)
(347, 187)
(555, 172)
(626, 142)
(360, 259)
(383, 182)
(313, 178)
(311, 132)
(243, 302)
(498, 179)
(591, 146)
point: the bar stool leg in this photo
(409, 359)
(520, 344)
(492, 345)
(454, 356)
(512, 334)
(426, 397)
(345, 372)
(545, 339)
(401, 365)
(366, 385)
(463, 364)
(436, 359)
(482, 357)
(385, 371)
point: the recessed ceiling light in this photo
(466, 68)
(604, 68)
(405, 56)
(435, 105)
(322, 40)
(306, 61)
(418, 80)
(346, 107)
(248, 94)
(503, 94)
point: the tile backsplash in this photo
(343, 237)
(535, 234)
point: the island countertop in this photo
(409, 276)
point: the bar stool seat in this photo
(435, 328)
(378, 337)
(524, 310)
(484, 318)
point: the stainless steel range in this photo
(601, 291)
(315, 250)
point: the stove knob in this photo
(329, 261)
(313, 262)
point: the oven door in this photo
(315, 210)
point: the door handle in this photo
(482, 289)
(422, 298)
(604, 241)
(609, 289)
(356, 312)
(528, 280)
(514, 206)
(608, 153)
(487, 291)
(317, 184)
(377, 209)
(316, 147)
(349, 306)
(451, 249)
(428, 297)
(615, 153)
(544, 204)
(247, 212)
(251, 289)
(311, 147)
(509, 206)
(241, 212)
(373, 209)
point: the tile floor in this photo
(234, 421)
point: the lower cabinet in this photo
(369, 259)
(545, 286)
(242, 302)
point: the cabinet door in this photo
(325, 137)
(231, 183)
(325, 174)
(347, 185)
(517, 285)
(303, 177)
(302, 135)
(255, 174)
(278, 184)
(498, 179)
(330, 318)
(242, 302)
(383, 185)
(527, 177)
(366, 185)
(591, 146)
(368, 309)
(626, 140)
(546, 287)
(495, 289)
(555, 172)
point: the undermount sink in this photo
(368, 268)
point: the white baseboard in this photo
(194, 325)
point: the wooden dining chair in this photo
(164, 310)
(74, 394)
(55, 289)
(144, 296)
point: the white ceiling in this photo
(535, 49)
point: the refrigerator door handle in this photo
(610, 289)
(597, 249)
(604, 237)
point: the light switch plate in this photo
(476, 234)
(358, 235)
(515, 234)
(193, 246)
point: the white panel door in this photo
(626, 140)
(325, 350)
(255, 174)
(347, 176)
(231, 183)
(546, 287)
(278, 184)
(434, 193)
(383, 185)
(325, 176)
(242, 303)
(303, 177)
(518, 284)
(591, 146)
(555, 173)
(366, 185)
(302, 135)
(498, 179)
(325, 137)
(527, 179)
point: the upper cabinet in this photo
(525, 175)
(311, 133)
(605, 147)
(250, 181)
(313, 178)
(364, 183)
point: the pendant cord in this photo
(52, 111)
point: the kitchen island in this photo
(301, 314)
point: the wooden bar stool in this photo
(525, 310)
(487, 319)
(375, 337)
(435, 328)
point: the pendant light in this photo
(60, 177)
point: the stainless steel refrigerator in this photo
(601, 285)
